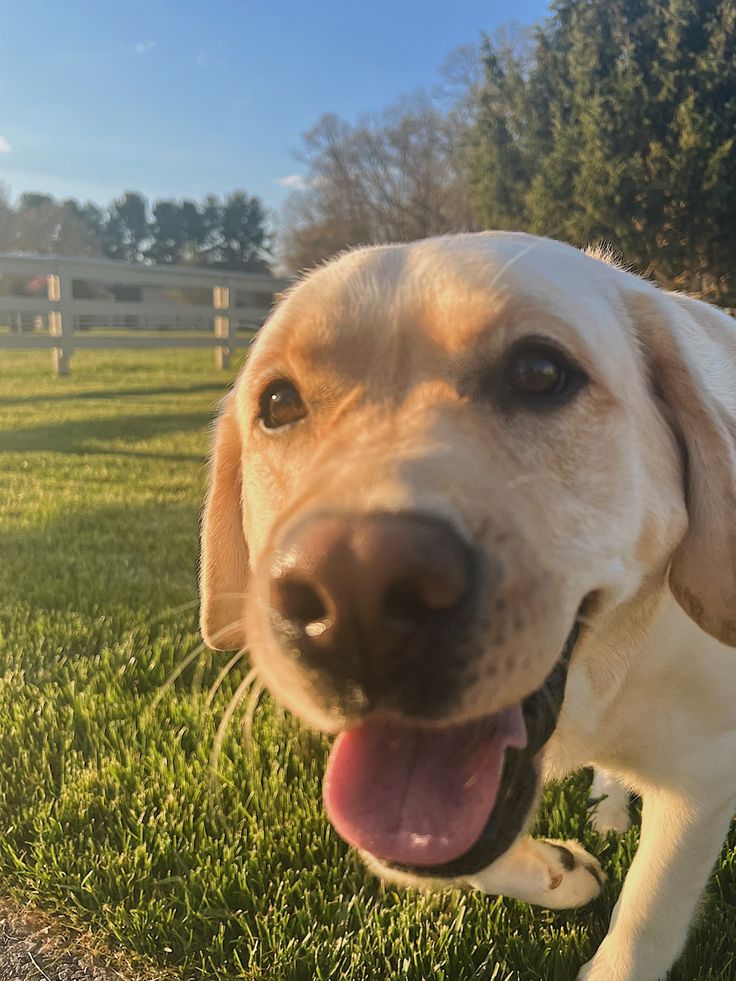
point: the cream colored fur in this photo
(628, 494)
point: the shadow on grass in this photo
(85, 436)
(97, 559)
(116, 393)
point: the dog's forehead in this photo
(442, 295)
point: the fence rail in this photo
(70, 298)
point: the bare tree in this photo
(393, 177)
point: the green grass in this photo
(107, 817)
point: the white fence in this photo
(64, 304)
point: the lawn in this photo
(108, 816)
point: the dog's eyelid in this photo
(278, 431)
(542, 343)
(498, 382)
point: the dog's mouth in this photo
(443, 802)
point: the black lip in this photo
(519, 781)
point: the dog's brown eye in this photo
(280, 405)
(540, 374)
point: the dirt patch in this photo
(34, 948)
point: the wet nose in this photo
(350, 592)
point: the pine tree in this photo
(623, 130)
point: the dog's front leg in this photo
(555, 874)
(680, 841)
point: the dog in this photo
(471, 509)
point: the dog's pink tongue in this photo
(418, 796)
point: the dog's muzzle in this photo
(446, 802)
(384, 604)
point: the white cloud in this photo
(5, 146)
(294, 181)
(144, 47)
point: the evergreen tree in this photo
(230, 234)
(126, 230)
(244, 243)
(496, 156)
(624, 129)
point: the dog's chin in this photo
(432, 803)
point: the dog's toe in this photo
(575, 876)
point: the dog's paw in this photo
(554, 874)
(575, 876)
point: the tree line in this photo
(229, 233)
(612, 120)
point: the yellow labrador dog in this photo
(456, 482)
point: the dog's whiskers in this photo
(176, 674)
(174, 611)
(534, 244)
(224, 672)
(250, 710)
(184, 664)
(241, 693)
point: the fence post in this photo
(224, 325)
(61, 325)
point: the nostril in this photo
(298, 601)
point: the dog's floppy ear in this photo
(224, 569)
(691, 350)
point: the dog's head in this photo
(435, 456)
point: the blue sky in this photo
(182, 99)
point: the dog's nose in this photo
(350, 592)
